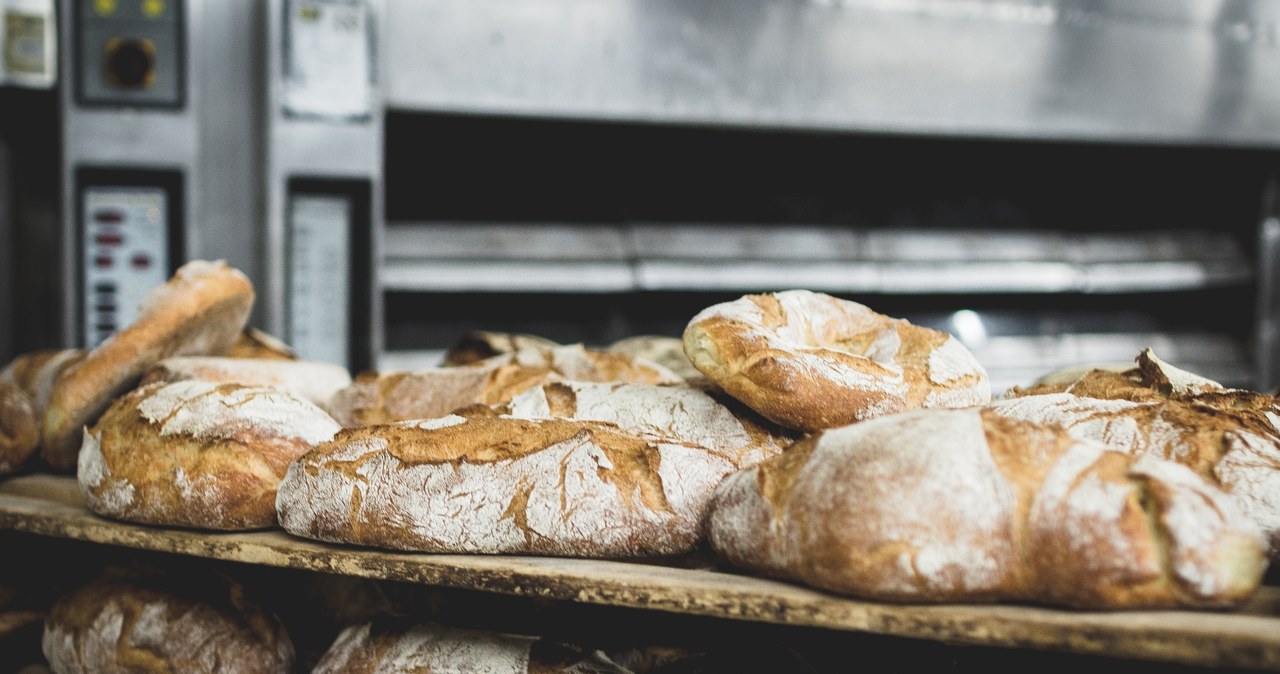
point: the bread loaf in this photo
(254, 343)
(19, 429)
(200, 311)
(503, 485)
(965, 505)
(810, 361)
(310, 380)
(36, 372)
(129, 626)
(1237, 449)
(681, 414)
(197, 454)
(665, 351)
(435, 392)
(480, 345)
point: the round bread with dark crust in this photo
(200, 311)
(811, 361)
(122, 626)
(968, 506)
(197, 454)
(19, 430)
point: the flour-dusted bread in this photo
(1149, 379)
(200, 311)
(389, 645)
(480, 345)
(435, 392)
(312, 380)
(19, 428)
(197, 454)
(965, 505)
(36, 372)
(503, 485)
(189, 625)
(683, 414)
(1237, 449)
(254, 343)
(665, 351)
(811, 361)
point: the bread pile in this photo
(797, 434)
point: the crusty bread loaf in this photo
(811, 361)
(389, 645)
(254, 343)
(197, 454)
(19, 429)
(965, 505)
(207, 625)
(435, 392)
(503, 485)
(665, 351)
(480, 345)
(200, 311)
(1150, 379)
(678, 413)
(36, 372)
(312, 380)
(1237, 449)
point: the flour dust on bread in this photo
(811, 361)
(193, 625)
(197, 454)
(434, 392)
(254, 343)
(480, 345)
(201, 311)
(965, 505)
(493, 484)
(311, 380)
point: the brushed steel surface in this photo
(1161, 71)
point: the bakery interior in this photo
(1057, 184)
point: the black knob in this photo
(131, 63)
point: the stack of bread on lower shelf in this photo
(798, 435)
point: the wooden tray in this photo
(1249, 637)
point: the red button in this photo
(102, 262)
(109, 238)
(141, 261)
(108, 216)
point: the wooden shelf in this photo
(50, 505)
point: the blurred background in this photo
(1057, 182)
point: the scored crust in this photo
(200, 311)
(19, 430)
(964, 505)
(502, 485)
(811, 361)
(196, 626)
(197, 454)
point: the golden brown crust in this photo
(254, 343)
(197, 454)
(200, 311)
(19, 430)
(36, 372)
(167, 625)
(809, 361)
(480, 345)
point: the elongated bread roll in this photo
(205, 625)
(200, 311)
(811, 361)
(435, 392)
(198, 454)
(36, 372)
(965, 505)
(311, 380)
(503, 485)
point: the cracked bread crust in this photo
(197, 454)
(312, 380)
(200, 311)
(966, 506)
(810, 361)
(495, 484)
(119, 626)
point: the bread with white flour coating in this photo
(197, 454)
(503, 485)
(811, 361)
(312, 380)
(965, 505)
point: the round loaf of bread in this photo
(435, 392)
(503, 485)
(811, 361)
(480, 345)
(197, 454)
(130, 626)
(311, 380)
(665, 351)
(200, 311)
(19, 430)
(965, 505)
(254, 343)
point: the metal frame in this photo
(7, 243)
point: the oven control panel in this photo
(125, 249)
(130, 53)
